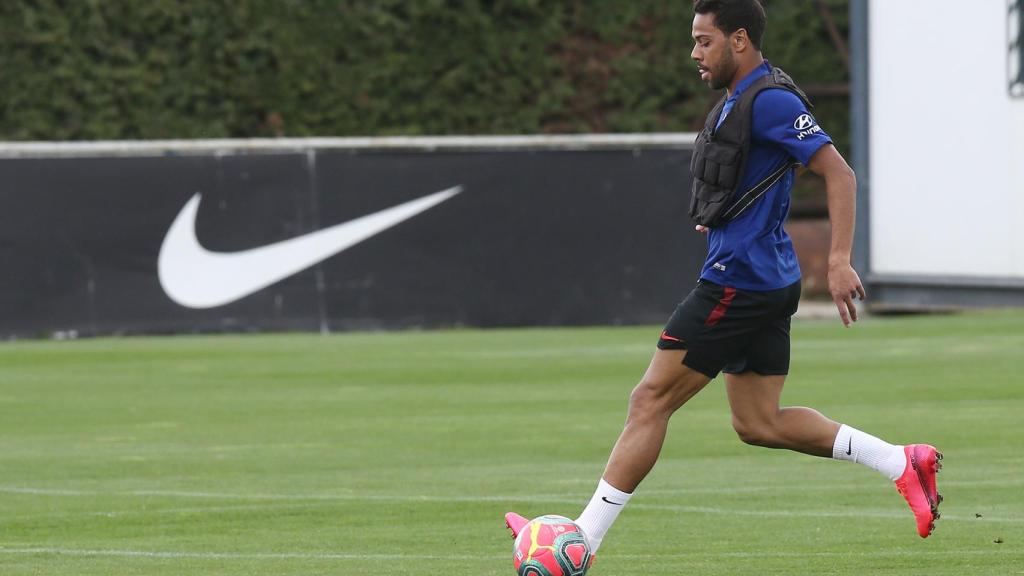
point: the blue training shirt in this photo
(753, 252)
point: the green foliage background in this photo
(124, 69)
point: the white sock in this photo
(601, 512)
(856, 446)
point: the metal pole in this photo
(859, 134)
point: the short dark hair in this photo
(731, 15)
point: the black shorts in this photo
(730, 330)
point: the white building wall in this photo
(946, 150)
(1016, 191)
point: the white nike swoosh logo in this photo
(198, 278)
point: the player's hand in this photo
(844, 285)
(701, 229)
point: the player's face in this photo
(713, 52)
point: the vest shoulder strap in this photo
(777, 79)
(743, 108)
(712, 119)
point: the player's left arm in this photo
(844, 284)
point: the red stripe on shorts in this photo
(723, 305)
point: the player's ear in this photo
(740, 40)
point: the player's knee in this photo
(647, 399)
(754, 433)
(641, 400)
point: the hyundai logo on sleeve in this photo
(804, 122)
(805, 126)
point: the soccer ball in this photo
(551, 546)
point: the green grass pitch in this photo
(398, 453)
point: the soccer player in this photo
(737, 319)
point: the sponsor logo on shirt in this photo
(804, 122)
(805, 125)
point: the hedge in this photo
(125, 69)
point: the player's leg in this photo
(754, 387)
(664, 388)
(759, 420)
(708, 328)
(667, 385)
(699, 338)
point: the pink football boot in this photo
(917, 485)
(515, 523)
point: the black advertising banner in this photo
(336, 239)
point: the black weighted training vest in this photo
(720, 157)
